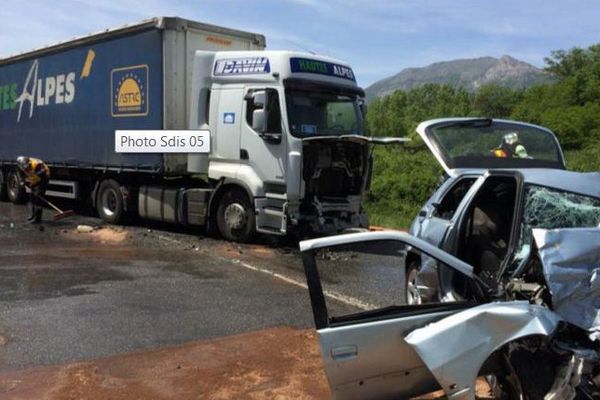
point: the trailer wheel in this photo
(235, 216)
(14, 188)
(3, 188)
(110, 202)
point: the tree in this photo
(495, 101)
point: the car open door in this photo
(475, 143)
(356, 291)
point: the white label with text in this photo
(184, 141)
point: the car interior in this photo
(487, 227)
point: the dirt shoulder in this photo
(278, 363)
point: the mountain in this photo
(467, 73)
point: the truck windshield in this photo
(323, 114)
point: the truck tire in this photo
(3, 188)
(109, 202)
(235, 216)
(14, 190)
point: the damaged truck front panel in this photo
(335, 176)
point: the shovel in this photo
(61, 214)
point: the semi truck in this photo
(288, 151)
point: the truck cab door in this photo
(262, 144)
(356, 285)
(263, 156)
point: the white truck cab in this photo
(288, 145)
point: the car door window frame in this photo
(462, 220)
(317, 295)
(435, 212)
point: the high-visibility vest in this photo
(500, 153)
(35, 171)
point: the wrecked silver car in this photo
(505, 300)
(531, 336)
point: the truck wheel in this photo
(110, 202)
(14, 190)
(3, 188)
(235, 216)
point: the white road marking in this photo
(348, 300)
(351, 301)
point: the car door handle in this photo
(344, 353)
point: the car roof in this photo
(586, 183)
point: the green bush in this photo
(403, 178)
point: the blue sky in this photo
(378, 37)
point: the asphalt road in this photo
(68, 296)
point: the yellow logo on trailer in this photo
(129, 94)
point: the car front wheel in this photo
(412, 288)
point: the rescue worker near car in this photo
(510, 147)
(36, 175)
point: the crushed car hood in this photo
(571, 264)
(455, 347)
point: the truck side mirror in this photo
(259, 98)
(259, 120)
(362, 104)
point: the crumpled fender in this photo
(571, 261)
(455, 348)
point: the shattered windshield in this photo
(323, 114)
(491, 144)
(552, 209)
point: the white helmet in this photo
(22, 162)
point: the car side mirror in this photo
(259, 120)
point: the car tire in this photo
(411, 290)
(110, 202)
(235, 216)
(15, 191)
(3, 188)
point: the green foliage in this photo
(493, 100)
(585, 160)
(399, 113)
(403, 178)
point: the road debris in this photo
(85, 229)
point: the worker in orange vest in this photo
(36, 176)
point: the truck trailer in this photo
(288, 149)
